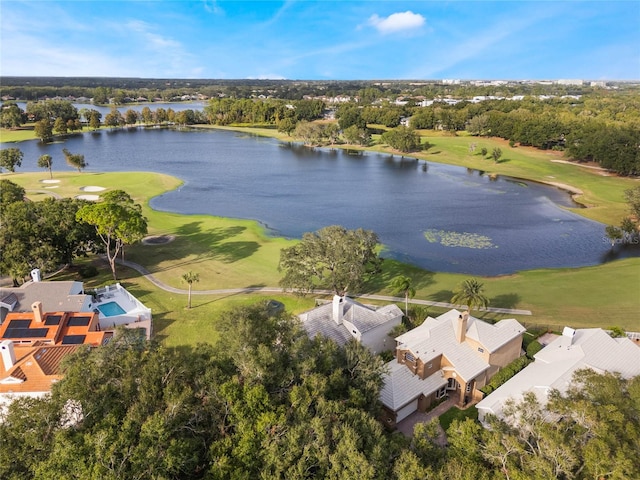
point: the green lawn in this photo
(454, 413)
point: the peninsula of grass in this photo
(235, 254)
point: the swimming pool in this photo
(111, 309)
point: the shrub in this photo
(533, 348)
(505, 374)
(88, 271)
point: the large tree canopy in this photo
(268, 402)
(333, 258)
(42, 234)
(118, 222)
(10, 158)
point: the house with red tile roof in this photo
(33, 345)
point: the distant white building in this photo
(343, 319)
(555, 365)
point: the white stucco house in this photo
(555, 365)
(343, 319)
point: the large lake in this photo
(436, 216)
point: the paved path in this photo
(168, 288)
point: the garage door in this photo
(407, 410)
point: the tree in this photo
(403, 284)
(45, 161)
(114, 118)
(60, 126)
(10, 158)
(95, 118)
(483, 151)
(9, 193)
(402, 138)
(191, 278)
(632, 196)
(479, 125)
(614, 234)
(75, 160)
(355, 135)
(43, 130)
(496, 153)
(11, 115)
(118, 222)
(287, 125)
(333, 257)
(470, 293)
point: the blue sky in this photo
(322, 40)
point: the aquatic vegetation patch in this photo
(457, 239)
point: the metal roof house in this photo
(556, 363)
(344, 319)
(452, 354)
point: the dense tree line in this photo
(41, 235)
(601, 127)
(267, 402)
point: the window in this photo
(429, 366)
(481, 350)
(409, 357)
(441, 392)
(468, 389)
(452, 384)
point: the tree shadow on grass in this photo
(197, 245)
(507, 300)
(390, 270)
(442, 296)
(230, 252)
(160, 324)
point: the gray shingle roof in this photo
(320, 319)
(401, 386)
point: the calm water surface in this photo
(436, 216)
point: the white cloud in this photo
(397, 22)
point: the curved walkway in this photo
(149, 276)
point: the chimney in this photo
(338, 309)
(463, 318)
(569, 333)
(35, 275)
(38, 316)
(8, 354)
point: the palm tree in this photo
(403, 284)
(45, 161)
(191, 278)
(470, 293)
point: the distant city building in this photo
(570, 82)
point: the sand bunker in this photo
(50, 181)
(91, 188)
(53, 186)
(158, 239)
(88, 197)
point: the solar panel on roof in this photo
(78, 321)
(19, 323)
(73, 339)
(52, 319)
(26, 332)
